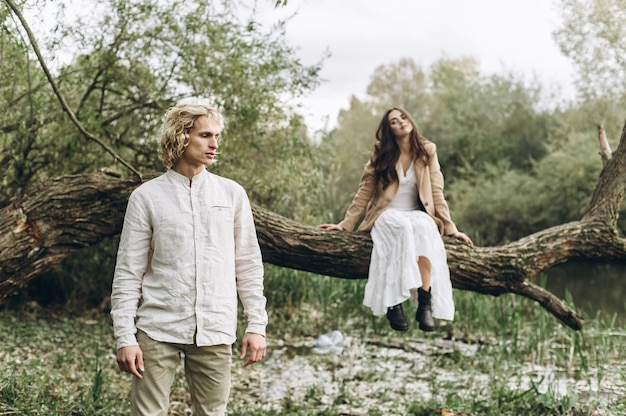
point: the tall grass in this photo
(506, 354)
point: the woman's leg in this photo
(393, 273)
(424, 265)
(424, 314)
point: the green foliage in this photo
(506, 156)
(478, 120)
(475, 119)
(67, 371)
(500, 356)
(501, 204)
(513, 167)
(20, 123)
(593, 37)
(132, 60)
(403, 84)
(81, 282)
(299, 302)
(486, 128)
(287, 177)
(345, 151)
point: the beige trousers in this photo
(207, 370)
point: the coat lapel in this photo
(419, 172)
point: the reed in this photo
(500, 356)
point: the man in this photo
(188, 247)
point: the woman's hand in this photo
(463, 237)
(335, 227)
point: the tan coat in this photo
(372, 199)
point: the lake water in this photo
(594, 287)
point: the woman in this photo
(401, 192)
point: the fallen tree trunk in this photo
(67, 213)
(490, 270)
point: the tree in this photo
(64, 213)
(593, 37)
(118, 66)
(466, 113)
(487, 129)
(521, 202)
(21, 87)
(134, 61)
(345, 151)
(59, 216)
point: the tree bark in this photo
(64, 214)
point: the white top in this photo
(407, 197)
(186, 251)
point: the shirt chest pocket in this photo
(219, 221)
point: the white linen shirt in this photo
(186, 250)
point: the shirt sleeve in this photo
(249, 267)
(437, 184)
(132, 263)
(361, 198)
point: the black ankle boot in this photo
(397, 319)
(424, 314)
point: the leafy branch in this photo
(59, 95)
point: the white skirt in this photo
(399, 238)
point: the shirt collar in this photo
(199, 178)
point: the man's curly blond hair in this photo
(178, 123)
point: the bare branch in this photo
(605, 149)
(609, 192)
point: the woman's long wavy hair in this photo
(177, 124)
(386, 152)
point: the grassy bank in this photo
(501, 356)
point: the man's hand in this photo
(256, 343)
(130, 360)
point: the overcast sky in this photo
(503, 35)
